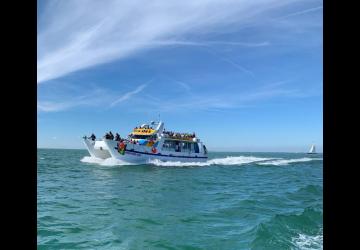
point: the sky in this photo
(242, 75)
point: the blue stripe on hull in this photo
(180, 156)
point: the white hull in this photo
(97, 149)
(140, 154)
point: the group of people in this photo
(92, 137)
(110, 136)
(179, 135)
(133, 141)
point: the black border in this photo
(19, 130)
(19, 187)
(338, 159)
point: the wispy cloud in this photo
(128, 95)
(73, 96)
(96, 97)
(47, 106)
(75, 35)
(226, 101)
(209, 43)
(302, 12)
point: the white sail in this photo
(312, 149)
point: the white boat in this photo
(312, 149)
(146, 143)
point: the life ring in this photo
(153, 150)
(121, 145)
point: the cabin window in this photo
(169, 145)
(196, 147)
(140, 136)
(177, 146)
(184, 147)
(180, 146)
(205, 150)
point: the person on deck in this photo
(92, 137)
(117, 137)
(111, 136)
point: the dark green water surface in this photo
(234, 201)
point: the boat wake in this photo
(229, 160)
(226, 161)
(281, 162)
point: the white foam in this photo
(280, 162)
(308, 242)
(90, 159)
(104, 162)
(229, 160)
(114, 162)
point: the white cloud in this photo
(75, 35)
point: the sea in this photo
(235, 200)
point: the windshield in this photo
(140, 136)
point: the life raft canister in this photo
(153, 150)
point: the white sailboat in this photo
(312, 149)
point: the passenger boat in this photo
(146, 143)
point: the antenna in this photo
(159, 117)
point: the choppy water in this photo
(233, 201)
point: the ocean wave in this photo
(307, 242)
(280, 162)
(292, 230)
(229, 160)
(310, 189)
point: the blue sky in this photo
(243, 75)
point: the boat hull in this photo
(142, 154)
(97, 149)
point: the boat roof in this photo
(146, 129)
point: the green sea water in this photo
(233, 201)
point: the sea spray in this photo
(308, 242)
